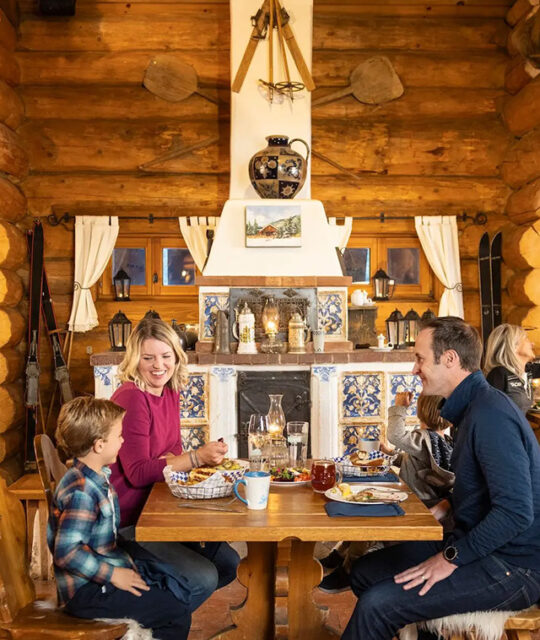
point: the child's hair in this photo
(427, 410)
(84, 420)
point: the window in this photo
(357, 264)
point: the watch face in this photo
(450, 553)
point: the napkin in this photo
(334, 509)
(379, 477)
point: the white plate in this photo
(395, 494)
(289, 484)
(382, 348)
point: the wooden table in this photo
(279, 571)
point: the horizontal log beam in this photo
(520, 113)
(12, 403)
(418, 195)
(10, 443)
(11, 106)
(527, 317)
(11, 288)
(11, 365)
(520, 72)
(12, 327)
(12, 201)
(523, 206)
(13, 250)
(13, 157)
(522, 162)
(524, 288)
(521, 247)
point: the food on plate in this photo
(375, 495)
(361, 459)
(345, 489)
(289, 474)
(229, 465)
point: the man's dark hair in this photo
(453, 333)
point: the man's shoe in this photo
(332, 560)
(336, 582)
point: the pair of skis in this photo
(489, 268)
(40, 302)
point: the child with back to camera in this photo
(95, 577)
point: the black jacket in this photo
(515, 387)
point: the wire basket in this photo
(347, 468)
(218, 485)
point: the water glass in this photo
(297, 441)
(258, 442)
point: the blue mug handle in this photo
(241, 481)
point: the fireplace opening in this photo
(254, 388)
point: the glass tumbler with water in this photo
(297, 441)
(258, 441)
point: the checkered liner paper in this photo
(218, 485)
(347, 468)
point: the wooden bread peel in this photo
(171, 79)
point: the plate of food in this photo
(205, 482)
(362, 463)
(289, 476)
(360, 494)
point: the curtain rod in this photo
(479, 218)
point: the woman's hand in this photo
(128, 580)
(403, 398)
(212, 453)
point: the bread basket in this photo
(218, 485)
(347, 468)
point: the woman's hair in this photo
(84, 420)
(128, 370)
(427, 410)
(501, 349)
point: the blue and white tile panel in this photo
(211, 300)
(194, 405)
(352, 434)
(332, 312)
(193, 437)
(362, 396)
(105, 381)
(405, 382)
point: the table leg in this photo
(280, 578)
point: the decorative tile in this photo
(193, 438)
(105, 381)
(194, 400)
(210, 303)
(352, 434)
(405, 382)
(332, 312)
(361, 396)
(324, 372)
(104, 375)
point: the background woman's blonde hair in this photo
(501, 349)
(128, 370)
(427, 410)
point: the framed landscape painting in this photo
(273, 226)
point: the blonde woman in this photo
(508, 350)
(152, 374)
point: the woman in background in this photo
(152, 373)
(508, 350)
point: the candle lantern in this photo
(270, 322)
(427, 316)
(122, 285)
(395, 329)
(119, 330)
(383, 285)
(412, 327)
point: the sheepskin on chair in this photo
(488, 625)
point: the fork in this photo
(212, 506)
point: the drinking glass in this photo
(297, 441)
(323, 475)
(258, 442)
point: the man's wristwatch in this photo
(450, 553)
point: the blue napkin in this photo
(334, 509)
(379, 477)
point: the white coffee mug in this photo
(257, 485)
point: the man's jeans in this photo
(384, 607)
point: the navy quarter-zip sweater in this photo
(496, 460)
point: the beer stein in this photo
(221, 333)
(298, 334)
(244, 330)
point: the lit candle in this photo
(271, 327)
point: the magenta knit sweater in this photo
(151, 428)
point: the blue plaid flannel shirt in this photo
(81, 532)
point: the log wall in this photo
(520, 169)
(90, 123)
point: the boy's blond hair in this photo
(427, 410)
(84, 420)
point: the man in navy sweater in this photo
(491, 560)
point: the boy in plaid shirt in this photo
(96, 578)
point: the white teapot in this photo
(359, 297)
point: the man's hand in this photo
(212, 453)
(441, 509)
(128, 580)
(403, 398)
(429, 572)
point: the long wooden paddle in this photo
(373, 81)
(178, 151)
(172, 79)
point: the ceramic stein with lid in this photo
(298, 334)
(244, 330)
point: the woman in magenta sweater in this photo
(153, 372)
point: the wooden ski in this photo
(486, 300)
(496, 294)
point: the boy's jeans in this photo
(384, 607)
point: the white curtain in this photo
(194, 231)
(439, 238)
(95, 237)
(342, 232)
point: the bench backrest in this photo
(50, 467)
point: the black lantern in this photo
(119, 330)
(381, 285)
(395, 329)
(427, 316)
(412, 327)
(151, 314)
(122, 284)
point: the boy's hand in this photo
(212, 453)
(403, 399)
(128, 580)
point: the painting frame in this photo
(270, 225)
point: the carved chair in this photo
(20, 616)
(50, 467)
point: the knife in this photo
(210, 507)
